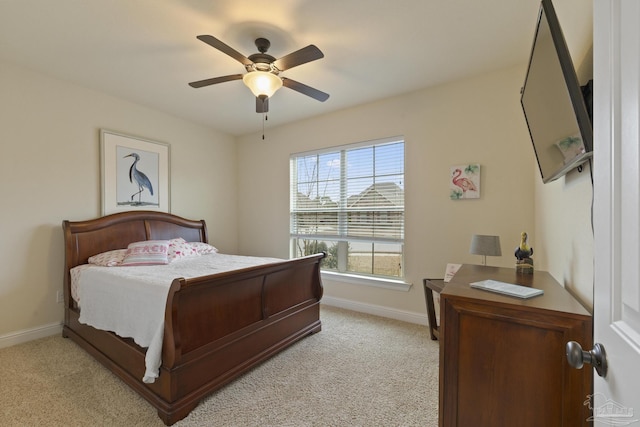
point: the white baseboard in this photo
(23, 336)
(377, 310)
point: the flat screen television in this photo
(553, 101)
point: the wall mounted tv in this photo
(553, 102)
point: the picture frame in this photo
(135, 173)
(464, 181)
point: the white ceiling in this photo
(146, 51)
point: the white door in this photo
(617, 209)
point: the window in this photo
(349, 202)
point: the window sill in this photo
(395, 284)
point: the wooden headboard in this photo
(83, 239)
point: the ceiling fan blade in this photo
(299, 57)
(215, 80)
(224, 48)
(305, 90)
(262, 105)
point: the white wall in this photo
(563, 243)
(477, 120)
(50, 171)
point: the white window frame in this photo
(342, 275)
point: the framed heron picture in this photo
(135, 173)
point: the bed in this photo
(216, 326)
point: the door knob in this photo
(596, 357)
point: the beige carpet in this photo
(360, 370)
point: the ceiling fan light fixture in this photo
(262, 83)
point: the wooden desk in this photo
(502, 359)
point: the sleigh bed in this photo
(216, 326)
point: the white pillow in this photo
(148, 252)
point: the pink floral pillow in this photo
(203, 248)
(109, 258)
(148, 252)
(179, 248)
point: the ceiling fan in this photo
(263, 70)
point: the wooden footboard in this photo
(217, 327)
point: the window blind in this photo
(350, 193)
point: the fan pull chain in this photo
(265, 117)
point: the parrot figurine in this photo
(523, 250)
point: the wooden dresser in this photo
(502, 359)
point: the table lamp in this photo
(485, 245)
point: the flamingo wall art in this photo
(464, 182)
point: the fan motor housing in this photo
(262, 61)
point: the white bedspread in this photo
(130, 301)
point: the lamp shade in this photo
(485, 245)
(262, 83)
